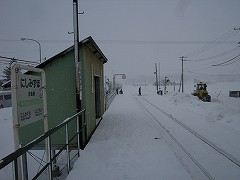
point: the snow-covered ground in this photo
(174, 136)
(139, 139)
(6, 132)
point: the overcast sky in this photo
(133, 34)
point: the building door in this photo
(97, 96)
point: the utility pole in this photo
(182, 59)
(159, 80)
(180, 84)
(78, 72)
(165, 85)
(156, 76)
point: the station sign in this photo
(29, 99)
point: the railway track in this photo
(178, 143)
(141, 101)
(209, 143)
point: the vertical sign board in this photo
(29, 102)
(124, 76)
(29, 99)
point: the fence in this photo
(109, 97)
(51, 168)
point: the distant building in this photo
(234, 94)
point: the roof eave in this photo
(92, 45)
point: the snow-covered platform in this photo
(127, 145)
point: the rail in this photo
(109, 98)
(20, 154)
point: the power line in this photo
(213, 74)
(4, 63)
(8, 59)
(217, 56)
(7, 63)
(42, 41)
(214, 43)
(229, 61)
(118, 41)
(225, 63)
(219, 40)
(16, 51)
(166, 42)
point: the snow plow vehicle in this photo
(201, 92)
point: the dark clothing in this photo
(139, 91)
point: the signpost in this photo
(114, 78)
(29, 101)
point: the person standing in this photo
(139, 91)
(121, 91)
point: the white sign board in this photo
(29, 99)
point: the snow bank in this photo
(6, 132)
(222, 109)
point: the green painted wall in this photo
(61, 94)
(61, 98)
(92, 66)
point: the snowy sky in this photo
(133, 34)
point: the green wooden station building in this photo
(61, 90)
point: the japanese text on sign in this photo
(29, 83)
(30, 105)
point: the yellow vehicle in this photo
(201, 92)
